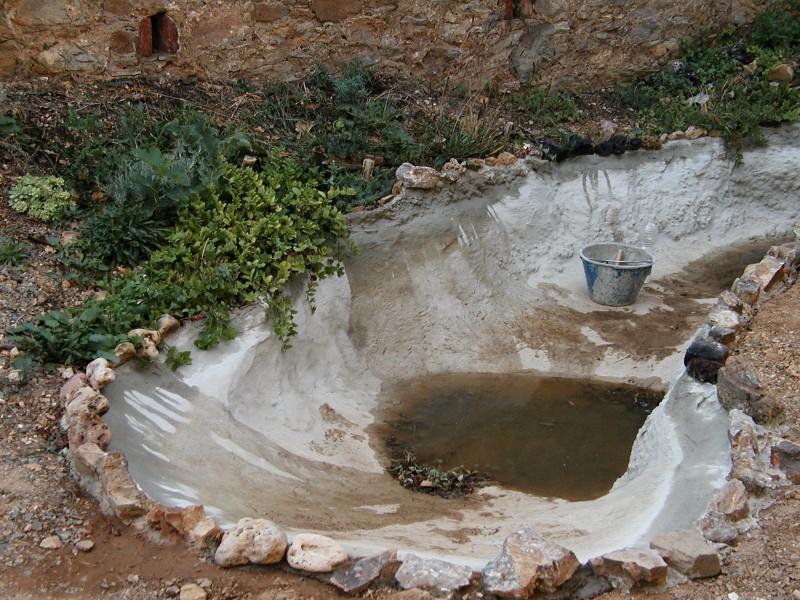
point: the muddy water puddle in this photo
(554, 437)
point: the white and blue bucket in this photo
(615, 272)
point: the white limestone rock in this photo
(256, 541)
(315, 553)
(99, 373)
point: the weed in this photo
(12, 252)
(548, 111)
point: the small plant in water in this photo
(428, 479)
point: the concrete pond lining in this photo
(480, 275)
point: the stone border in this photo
(527, 562)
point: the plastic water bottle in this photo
(648, 237)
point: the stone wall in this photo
(567, 44)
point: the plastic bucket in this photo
(613, 281)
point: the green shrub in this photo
(719, 87)
(43, 198)
(240, 241)
(778, 28)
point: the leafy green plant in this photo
(241, 241)
(74, 336)
(12, 252)
(176, 359)
(44, 198)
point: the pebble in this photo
(85, 545)
(192, 591)
(51, 542)
(204, 583)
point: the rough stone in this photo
(88, 428)
(123, 496)
(723, 317)
(88, 459)
(748, 464)
(788, 253)
(117, 7)
(125, 351)
(87, 399)
(71, 387)
(149, 334)
(256, 541)
(357, 577)
(505, 159)
(746, 290)
(786, 456)
(688, 553)
(723, 335)
(122, 42)
(205, 534)
(85, 545)
(51, 542)
(730, 300)
(706, 348)
(38, 14)
(784, 72)
(265, 12)
(66, 57)
(167, 324)
(175, 522)
(739, 388)
(315, 553)
(767, 272)
(692, 132)
(192, 591)
(422, 178)
(704, 358)
(717, 528)
(631, 567)
(148, 351)
(99, 373)
(335, 10)
(731, 501)
(527, 563)
(439, 577)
